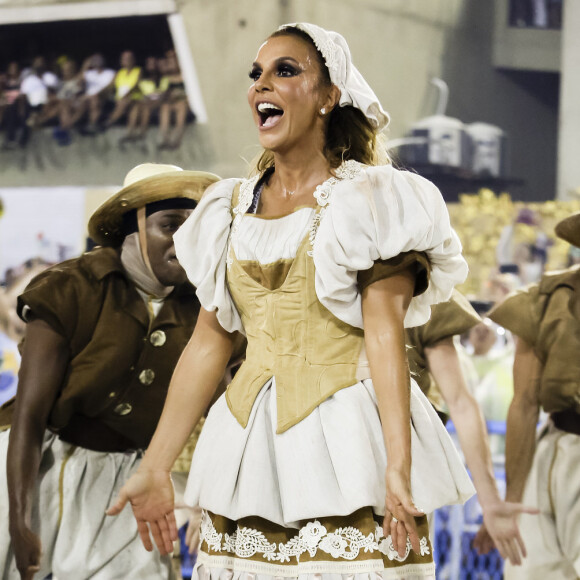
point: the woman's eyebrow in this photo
(280, 59)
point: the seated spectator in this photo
(126, 85)
(152, 88)
(64, 104)
(70, 95)
(175, 107)
(37, 85)
(13, 106)
(99, 84)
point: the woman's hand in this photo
(500, 528)
(400, 512)
(151, 496)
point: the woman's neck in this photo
(299, 172)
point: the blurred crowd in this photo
(91, 98)
(11, 327)
(536, 13)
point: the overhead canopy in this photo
(83, 10)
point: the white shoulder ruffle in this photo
(201, 245)
(378, 214)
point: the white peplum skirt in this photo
(332, 463)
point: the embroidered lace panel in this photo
(345, 543)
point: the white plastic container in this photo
(488, 150)
(445, 143)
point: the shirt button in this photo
(158, 338)
(112, 395)
(123, 409)
(146, 377)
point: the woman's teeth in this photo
(269, 114)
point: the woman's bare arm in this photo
(384, 305)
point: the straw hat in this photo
(145, 184)
(569, 229)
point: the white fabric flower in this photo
(334, 545)
(311, 533)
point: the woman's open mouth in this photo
(269, 114)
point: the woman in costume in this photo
(322, 242)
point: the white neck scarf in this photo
(354, 90)
(138, 271)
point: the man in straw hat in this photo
(104, 332)
(544, 468)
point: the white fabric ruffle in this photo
(201, 245)
(377, 214)
(331, 463)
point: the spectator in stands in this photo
(65, 103)
(98, 85)
(126, 85)
(37, 84)
(175, 107)
(13, 106)
(152, 88)
(70, 95)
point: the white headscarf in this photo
(354, 90)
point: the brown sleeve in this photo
(52, 297)
(381, 269)
(450, 318)
(520, 312)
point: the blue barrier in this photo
(187, 559)
(455, 527)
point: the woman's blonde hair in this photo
(349, 134)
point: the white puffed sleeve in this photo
(378, 214)
(201, 245)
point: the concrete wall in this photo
(568, 162)
(399, 45)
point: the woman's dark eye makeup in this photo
(287, 70)
(255, 73)
(283, 69)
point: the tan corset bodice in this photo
(292, 337)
